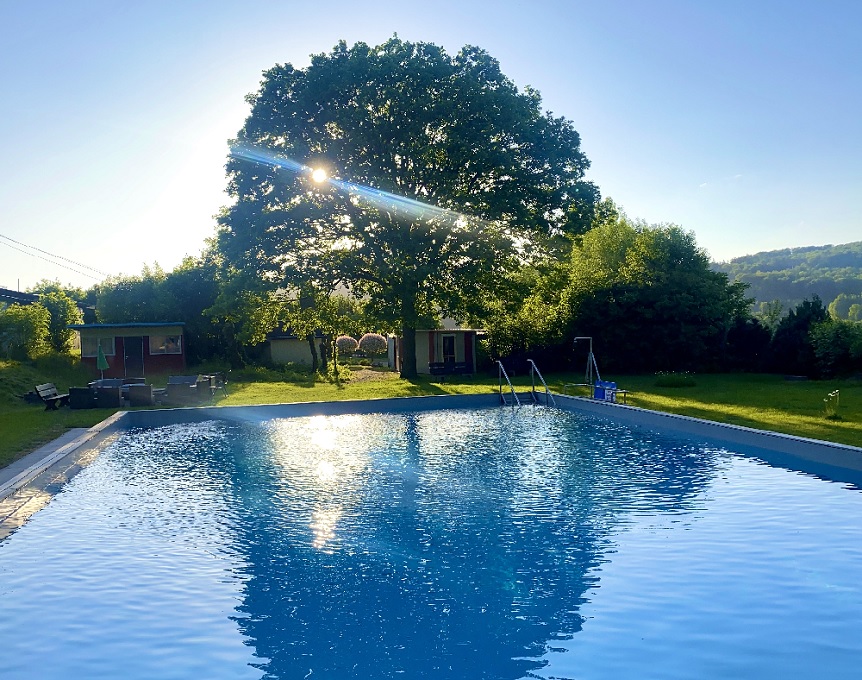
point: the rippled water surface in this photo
(454, 544)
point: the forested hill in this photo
(793, 274)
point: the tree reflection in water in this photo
(443, 544)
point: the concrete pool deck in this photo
(29, 483)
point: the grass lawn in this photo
(759, 401)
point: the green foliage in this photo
(648, 297)
(792, 350)
(64, 311)
(48, 286)
(24, 331)
(480, 166)
(769, 313)
(837, 347)
(127, 299)
(847, 307)
(271, 374)
(747, 346)
(185, 295)
(645, 293)
(794, 274)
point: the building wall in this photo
(290, 351)
(153, 363)
(429, 348)
(423, 351)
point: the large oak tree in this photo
(442, 175)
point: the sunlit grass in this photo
(765, 402)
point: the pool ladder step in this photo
(501, 373)
(534, 371)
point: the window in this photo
(449, 349)
(166, 344)
(90, 345)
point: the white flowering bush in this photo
(372, 344)
(346, 345)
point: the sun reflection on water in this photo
(323, 523)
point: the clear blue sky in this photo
(737, 120)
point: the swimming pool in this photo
(466, 543)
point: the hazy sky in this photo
(738, 120)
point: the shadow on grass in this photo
(420, 387)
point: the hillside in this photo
(793, 274)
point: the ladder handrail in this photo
(534, 370)
(501, 373)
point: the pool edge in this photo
(831, 454)
(24, 492)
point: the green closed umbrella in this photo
(101, 360)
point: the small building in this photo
(134, 350)
(447, 346)
(14, 297)
(285, 347)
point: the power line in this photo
(57, 264)
(57, 257)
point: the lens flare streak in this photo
(378, 198)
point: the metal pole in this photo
(591, 360)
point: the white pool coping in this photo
(55, 463)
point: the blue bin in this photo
(605, 390)
(599, 390)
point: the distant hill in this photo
(793, 274)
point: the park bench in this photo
(51, 398)
(442, 369)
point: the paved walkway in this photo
(30, 482)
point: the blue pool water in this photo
(499, 543)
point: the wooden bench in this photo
(49, 395)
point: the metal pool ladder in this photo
(501, 373)
(534, 371)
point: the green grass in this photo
(759, 401)
(25, 427)
(764, 402)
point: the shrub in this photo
(346, 345)
(830, 406)
(838, 347)
(373, 344)
(24, 331)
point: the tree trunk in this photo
(333, 349)
(324, 365)
(408, 350)
(408, 334)
(314, 362)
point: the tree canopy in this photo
(794, 274)
(645, 293)
(184, 294)
(442, 175)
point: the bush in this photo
(24, 331)
(346, 344)
(373, 344)
(838, 347)
(281, 373)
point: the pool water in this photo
(495, 543)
